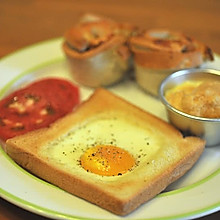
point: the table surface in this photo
(26, 22)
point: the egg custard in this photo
(198, 98)
(108, 152)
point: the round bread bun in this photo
(164, 49)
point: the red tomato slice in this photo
(36, 106)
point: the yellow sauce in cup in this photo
(200, 99)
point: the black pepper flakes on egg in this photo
(137, 162)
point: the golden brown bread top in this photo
(171, 156)
(89, 35)
(161, 49)
(92, 34)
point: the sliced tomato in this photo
(36, 106)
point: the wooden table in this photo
(26, 22)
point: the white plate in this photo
(194, 195)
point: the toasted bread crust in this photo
(121, 196)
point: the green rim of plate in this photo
(50, 213)
(27, 72)
(29, 47)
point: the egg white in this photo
(112, 129)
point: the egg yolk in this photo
(107, 160)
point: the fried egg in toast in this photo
(108, 152)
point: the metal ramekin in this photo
(206, 128)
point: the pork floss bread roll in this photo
(97, 51)
(159, 52)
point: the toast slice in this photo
(160, 152)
